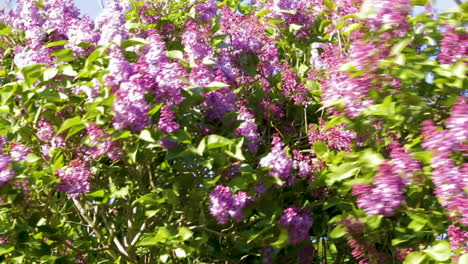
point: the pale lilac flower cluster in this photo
(6, 173)
(338, 137)
(458, 241)
(119, 69)
(206, 10)
(111, 23)
(201, 75)
(166, 121)
(384, 195)
(453, 46)
(154, 53)
(293, 89)
(248, 128)
(102, 143)
(19, 151)
(281, 165)
(449, 179)
(298, 221)
(223, 205)
(45, 131)
(74, 179)
(298, 12)
(170, 83)
(403, 164)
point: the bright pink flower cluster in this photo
(458, 241)
(337, 137)
(453, 46)
(223, 205)
(449, 179)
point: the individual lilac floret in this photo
(166, 121)
(206, 10)
(384, 195)
(281, 165)
(403, 164)
(6, 174)
(248, 128)
(298, 222)
(74, 179)
(223, 205)
(19, 151)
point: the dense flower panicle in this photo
(403, 164)
(303, 164)
(154, 53)
(6, 174)
(45, 131)
(102, 143)
(19, 151)
(26, 57)
(281, 165)
(60, 14)
(223, 205)
(166, 121)
(74, 179)
(219, 102)
(201, 75)
(298, 221)
(293, 89)
(449, 179)
(337, 137)
(111, 23)
(170, 82)
(457, 123)
(196, 42)
(388, 12)
(453, 46)
(206, 10)
(119, 68)
(384, 195)
(131, 108)
(248, 128)
(81, 31)
(458, 240)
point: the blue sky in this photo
(92, 7)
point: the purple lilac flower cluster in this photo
(166, 121)
(304, 166)
(458, 241)
(102, 145)
(449, 179)
(206, 10)
(74, 179)
(111, 23)
(293, 89)
(223, 205)
(384, 195)
(219, 102)
(6, 173)
(337, 137)
(298, 221)
(19, 151)
(281, 165)
(248, 128)
(196, 41)
(389, 13)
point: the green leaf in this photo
(440, 251)
(338, 232)
(414, 258)
(420, 2)
(175, 54)
(71, 122)
(97, 194)
(50, 73)
(146, 136)
(4, 29)
(400, 46)
(374, 221)
(320, 148)
(463, 259)
(342, 172)
(56, 43)
(180, 253)
(216, 85)
(185, 233)
(282, 239)
(63, 55)
(4, 249)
